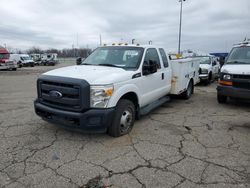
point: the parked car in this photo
(49, 59)
(22, 60)
(234, 78)
(112, 87)
(5, 62)
(209, 69)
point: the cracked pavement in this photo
(193, 143)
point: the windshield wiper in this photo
(85, 64)
(236, 62)
(108, 65)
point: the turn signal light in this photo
(225, 83)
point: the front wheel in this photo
(209, 80)
(124, 118)
(221, 99)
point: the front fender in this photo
(122, 90)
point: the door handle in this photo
(162, 76)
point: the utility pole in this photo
(77, 40)
(100, 40)
(179, 45)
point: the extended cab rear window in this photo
(164, 57)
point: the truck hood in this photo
(236, 69)
(204, 66)
(94, 75)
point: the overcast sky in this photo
(208, 25)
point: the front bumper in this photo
(231, 91)
(29, 64)
(203, 76)
(93, 120)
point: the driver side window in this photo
(151, 54)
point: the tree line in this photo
(67, 52)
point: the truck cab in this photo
(234, 80)
(5, 62)
(112, 87)
(209, 68)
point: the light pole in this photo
(179, 46)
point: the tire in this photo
(221, 99)
(209, 80)
(14, 69)
(123, 120)
(20, 65)
(190, 90)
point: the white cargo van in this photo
(234, 81)
(22, 60)
(112, 87)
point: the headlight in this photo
(204, 71)
(227, 77)
(100, 95)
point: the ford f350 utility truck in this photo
(234, 79)
(112, 87)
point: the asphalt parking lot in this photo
(193, 143)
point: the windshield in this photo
(4, 56)
(116, 56)
(205, 60)
(239, 55)
(25, 58)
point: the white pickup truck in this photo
(209, 68)
(112, 87)
(234, 78)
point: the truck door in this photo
(215, 66)
(152, 85)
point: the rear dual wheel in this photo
(190, 90)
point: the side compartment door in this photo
(151, 86)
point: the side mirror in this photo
(78, 61)
(149, 67)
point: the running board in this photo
(147, 109)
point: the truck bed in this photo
(182, 71)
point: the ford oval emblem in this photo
(55, 94)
